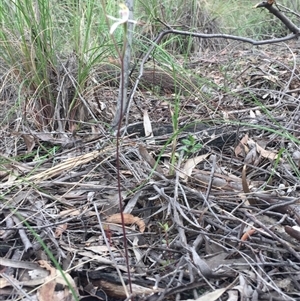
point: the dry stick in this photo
(293, 72)
(289, 271)
(9, 228)
(212, 173)
(176, 217)
(206, 197)
(162, 193)
(111, 252)
(16, 286)
(287, 22)
(52, 225)
(22, 233)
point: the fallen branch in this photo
(277, 13)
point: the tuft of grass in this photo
(49, 49)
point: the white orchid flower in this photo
(124, 14)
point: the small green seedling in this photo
(165, 228)
(190, 145)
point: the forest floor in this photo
(211, 211)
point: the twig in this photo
(274, 236)
(23, 235)
(287, 22)
(110, 250)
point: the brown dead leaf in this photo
(46, 291)
(129, 219)
(272, 78)
(60, 230)
(246, 188)
(70, 212)
(3, 283)
(293, 232)
(116, 291)
(241, 149)
(266, 153)
(5, 170)
(189, 166)
(100, 249)
(29, 141)
(252, 156)
(219, 181)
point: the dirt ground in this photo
(212, 208)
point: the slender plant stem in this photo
(123, 89)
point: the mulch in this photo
(223, 220)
